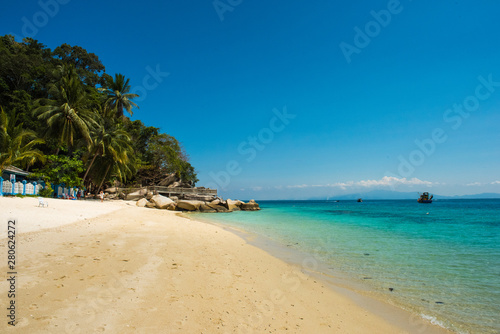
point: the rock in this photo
(142, 202)
(232, 205)
(111, 196)
(161, 202)
(187, 184)
(149, 195)
(172, 206)
(150, 205)
(111, 190)
(174, 185)
(171, 178)
(174, 198)
(189, 205)
(215, 202)
(122, 195)
(136, 195)
(218, 208)
(207, 208)
(250, 206)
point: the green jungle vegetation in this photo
(63, 118)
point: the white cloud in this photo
(473, 184)
(392, 181)
(495, 182)
(298, 186)
(257, 188)
(386, 181)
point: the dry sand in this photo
(90, 267)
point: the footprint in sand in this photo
(33, 307)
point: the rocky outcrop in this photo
(181, 202)
(161, 202)
(250, 206)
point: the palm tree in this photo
(111, 144)
(16, 144)
(67, 114)
(119, 98)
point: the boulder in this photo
(122, 195)
(171, 178)
(218, 208)
(161, 202)
(215, 202)
(174, 198)
(150, 205)
(188, 184)
(207, 208)
(134, 196)
(149, 195)
(250, 206)
(232, 205)
(111, 190)
(189, 205)
(172, 206)
(142, 202)
(174, 185)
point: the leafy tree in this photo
(87, 65)
(62, 169)
(17, 146)
(119, 98)
(169, 157)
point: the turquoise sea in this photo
(441, 260)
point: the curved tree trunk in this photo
(90, 166)
(104, 178)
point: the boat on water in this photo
(424, 198)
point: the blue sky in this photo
(299, 99)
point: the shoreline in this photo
(375, 302)
(107, 271)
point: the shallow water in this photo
(441, 260)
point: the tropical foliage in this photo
(64, 118)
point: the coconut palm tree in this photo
(67, 113)
(119, 97)
(17, 146)
(111, 144)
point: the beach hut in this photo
(14, 181)
(14, 174)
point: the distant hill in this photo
(395, 195)
(483, 195)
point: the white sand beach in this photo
(89, 267)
